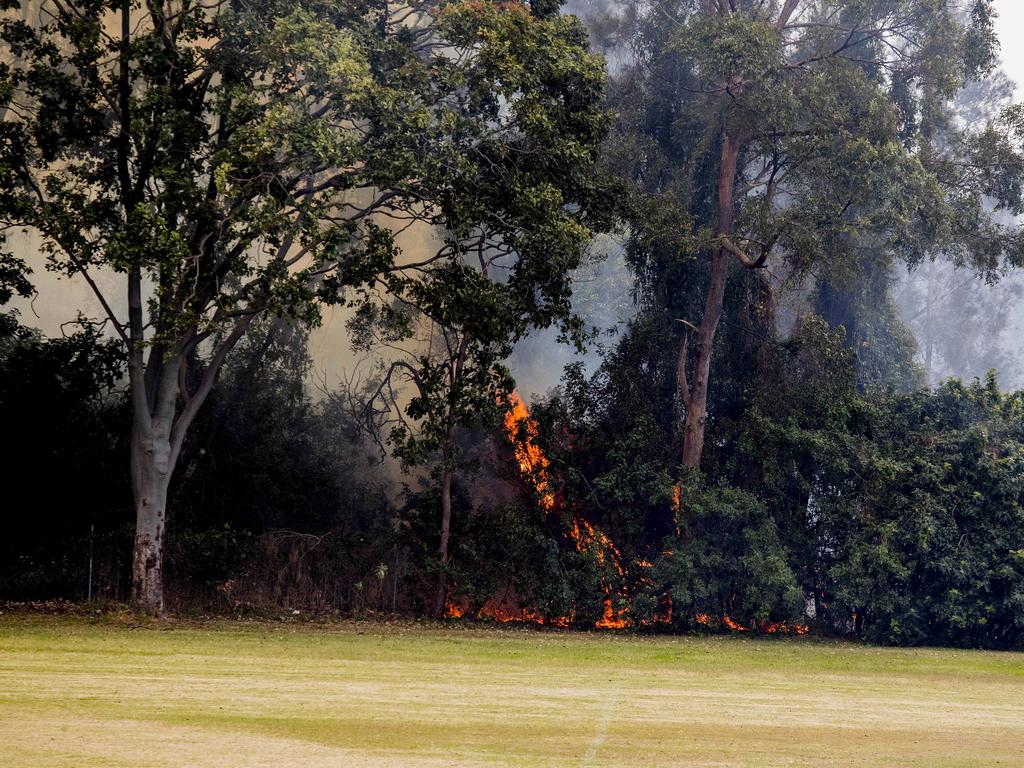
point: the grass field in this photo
(75, 693)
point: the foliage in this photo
(232, 162)
(731, 562)
(269, 474)
(927, 551)
(63, 410)
(500, 253)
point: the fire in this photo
(611, 618)
(664, 615)
(783, 628)
(534, 467)
(504, 612)
(587, 538)
(763, 627)
(677, 507)
(533, 464)
(734, 626)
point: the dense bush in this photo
(896, 516)
(67, 500)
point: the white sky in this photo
(1010, 28)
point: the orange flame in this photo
(534, 466)
(677, 507)
(612, 618)
(504, 613)
(764, 627)
(734, 626)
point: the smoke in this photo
(602, 298)
(963, 326)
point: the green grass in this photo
(75, 692)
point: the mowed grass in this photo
(81, 693)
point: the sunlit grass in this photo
(75, 692)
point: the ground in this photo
(79, 692)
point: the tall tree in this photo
(223, 162)
(503, 253)
(787, 134)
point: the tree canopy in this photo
(795, 194)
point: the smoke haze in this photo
(962, 325)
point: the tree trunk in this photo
(158, 434)
(447, 476)
(151, 475)
(696, 400)
(442, 549)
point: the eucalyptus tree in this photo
(222, 161)
(789, 135)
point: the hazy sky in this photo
(1010, 28)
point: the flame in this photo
(504, 612)
(533, 464)
(763, 627)
(612, 618)
(535, 468)
(783, 628)
(587, 539)
(734, 626)
(677, 507)
(664, 615)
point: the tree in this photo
(229, 161)
(799, 133)
(503, 257)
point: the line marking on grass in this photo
(607, 714)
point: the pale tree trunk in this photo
(695, 394)
(163, 410)
(151, 476)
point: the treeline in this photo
(891, 516)
(757, 450)
(887, 515)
